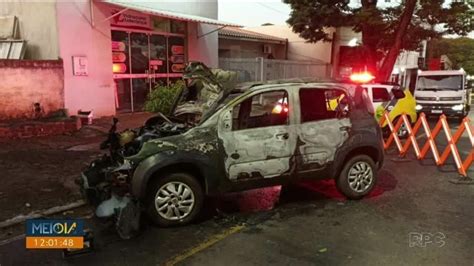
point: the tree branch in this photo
(389, 61)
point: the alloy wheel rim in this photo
(174, 201)
(360, 176)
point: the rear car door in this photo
(324, 127)
(257, 136)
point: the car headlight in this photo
(418, 107)
(458, 107)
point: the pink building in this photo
(113, 53)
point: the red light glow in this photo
(280, 108)
(277, 109)
(119, 68)
(363, 77)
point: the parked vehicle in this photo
(269, 134)
(443, 92)
(394, 100)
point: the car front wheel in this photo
(358, 177)
(175, 199)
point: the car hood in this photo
(202, 140)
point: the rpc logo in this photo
(424, 239)
(54, 228)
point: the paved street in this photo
(42, 170)
(304, 224)
(138, 111)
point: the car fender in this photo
(153, 164)
(358, 143)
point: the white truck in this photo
(443, 92)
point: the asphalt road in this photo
(415, 216)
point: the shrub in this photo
(162, 97)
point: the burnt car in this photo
(265, 135)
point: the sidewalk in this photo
(39, 173)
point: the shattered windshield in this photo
(440, 82)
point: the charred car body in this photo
(267, 135)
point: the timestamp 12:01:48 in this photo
(59, 242)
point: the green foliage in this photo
(460, 51)
(378, 25)
(162, 97)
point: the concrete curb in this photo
(37, 214)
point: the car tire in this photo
(175, 199)
(353, 183)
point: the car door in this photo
(322, 128)
(257, 136)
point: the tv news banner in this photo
(54, 234)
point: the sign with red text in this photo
(177, 49)
(118, 46)
(177, 59)
(129, 19)
(118, 57)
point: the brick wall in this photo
(30, 129)
(25, 82)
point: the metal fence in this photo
(260, 69)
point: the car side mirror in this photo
(398, 93)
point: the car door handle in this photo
(282, 136)
(344, 128)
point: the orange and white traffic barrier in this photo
(430, 144)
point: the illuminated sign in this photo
(118, 57)
(177, 67)
(118, 46)
(177, 49)
(177, 59)
(156, 62)
(119, 68)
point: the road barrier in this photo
(430, 144)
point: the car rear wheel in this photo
(176, 199)
(358, 177)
